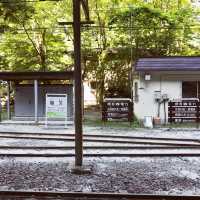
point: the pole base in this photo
(82, 170)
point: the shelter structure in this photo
(160, 80)
(30, 89)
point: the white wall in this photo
(146, 104)
(89, 94)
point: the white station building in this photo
(161, 80)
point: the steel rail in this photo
(98, 147)
(101, 140)
(105, 136)
(114, 155)
(96, 196)
(105, 140)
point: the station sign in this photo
(56, 106)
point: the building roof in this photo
(13, 76)
(168, 64)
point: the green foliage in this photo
(153, 32)
(135, 29)
(124, 30)
(31, 42)
(13, 11)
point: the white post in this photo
(36, 99)
(46, 117)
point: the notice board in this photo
(56, 107)
(117, 109)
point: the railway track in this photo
(99, 136)
(62, 145)
(103, 138)
(24, 195)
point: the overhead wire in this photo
(88, 28)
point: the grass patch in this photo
(93, 118)
(183, 125)
(112, 124)
(4, 115)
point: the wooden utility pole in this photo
(78, 84)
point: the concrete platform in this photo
(28, 122)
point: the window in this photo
(190, 89)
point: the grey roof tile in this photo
(168, 64)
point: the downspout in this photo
(159, 101)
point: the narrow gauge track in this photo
(104, 139)
(101, 135)
(103, 152)
(99, 146)
(134, 141)
(22, 195)
(97, 155)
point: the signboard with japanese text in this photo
(184, 110)
(56, 106)
(117, 109)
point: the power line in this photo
(89, 28)
(142, 28)
(115, 8)
(94, 29)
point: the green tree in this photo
(126, 30)
(38, 43)
(123, 31)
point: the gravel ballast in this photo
(166, 175)
(138, 175)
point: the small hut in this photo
(30, 89)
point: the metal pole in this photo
(8, 101)
(36, 100)
(78, 84)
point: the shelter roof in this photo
(15, 76)
(181, 63)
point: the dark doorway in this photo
(190, 89)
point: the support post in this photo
(197, 113)
(170, 112)
(36, 100)
(8, 101)
(0, 109)
(78, 84)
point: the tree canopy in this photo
(33, 40)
